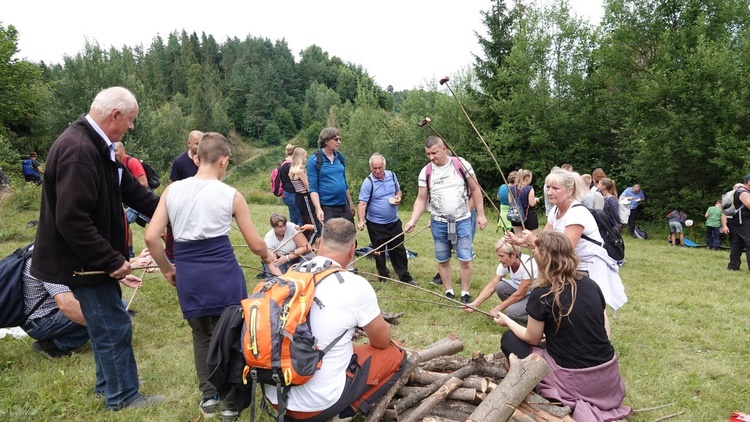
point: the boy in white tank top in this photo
(209, 278)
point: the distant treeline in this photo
(658, 94)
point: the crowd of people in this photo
(552, 285)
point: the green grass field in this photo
(683, 338)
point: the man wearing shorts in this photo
(449, 192)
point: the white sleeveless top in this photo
(199, 209)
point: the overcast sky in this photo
(400, 42)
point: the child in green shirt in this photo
(713, 223)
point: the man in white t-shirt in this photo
(450, 189)
(351, 378)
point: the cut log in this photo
(469, 395)
(539, 414)
(519, 416)
(438, 419)
(445, 364)
(450, 344)
(522, 377)
(377, 411)
(422, 377)
(444, 347)
(413, 399)
(537, 402)
(453, 409)
(430, 402)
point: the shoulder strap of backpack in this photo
(372, 188)
(427, 176)
(583, 236)
(462, 171)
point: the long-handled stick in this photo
(422, 289)
(84, 273)
(444, 81)
(135, 291)
(375, 251)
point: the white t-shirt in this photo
(447, 190)
(207, 201)
(346, 305)
(578, 215)
(272, 242)
(516, 277)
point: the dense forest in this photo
(658, 93)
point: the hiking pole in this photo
(84, 273)
(422, 289)
(394, 237)
(426, 122)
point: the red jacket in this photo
(81, 220)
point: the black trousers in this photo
(740, 241)
(382, 233)
(634, 214)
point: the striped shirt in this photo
(34, 290)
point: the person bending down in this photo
(512, 282)
(567, 308)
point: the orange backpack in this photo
(277, 343)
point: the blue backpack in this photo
(11, 288)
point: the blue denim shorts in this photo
(443, 245)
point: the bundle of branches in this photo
(438, 386)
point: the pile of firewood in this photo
(437, 386)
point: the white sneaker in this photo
(229, 415)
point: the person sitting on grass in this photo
(286, 243)
(676, 219)
(567, 308)
(511, 282)
(209, 278)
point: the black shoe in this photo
(437, 280)
(466, 299)
(410, 281)
(733, 269)
(48, 349)
(383, 278)
(450, 295)
(144, 400)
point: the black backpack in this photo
(151, 176)
(613, 243)
(11, 288)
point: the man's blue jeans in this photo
(294, 215)
(66, 334)
(111, 334)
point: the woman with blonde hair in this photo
(289, 196)
(298, 177)
(565, 190)
(512, 282)
(567, 308)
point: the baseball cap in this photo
(747, 178)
